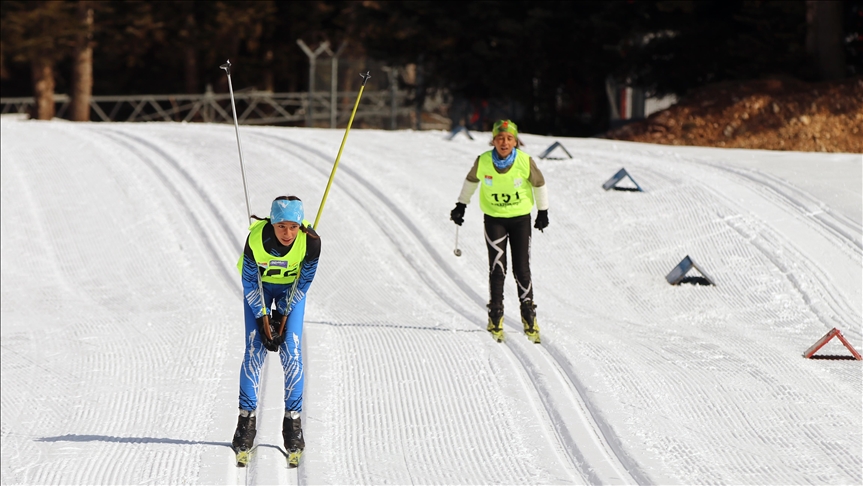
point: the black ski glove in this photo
(541, 219)
(457, 214)
(276, 320)
(277, 340)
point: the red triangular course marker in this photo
(827, 337)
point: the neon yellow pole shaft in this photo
(366, 77)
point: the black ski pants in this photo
(497, 232)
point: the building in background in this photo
(628, 103)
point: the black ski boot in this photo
(292, 432)
(244, 437)
(495, 320)
(528, 319)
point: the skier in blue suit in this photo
(281, 252)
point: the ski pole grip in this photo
(227, 67)
(282, 325)
(266, 321)
(366, 76)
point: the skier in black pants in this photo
(509, 183)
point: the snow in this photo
(122, 314)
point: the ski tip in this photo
(294, 458)
(243, 457)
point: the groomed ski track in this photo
(635, 382)
(564, 417)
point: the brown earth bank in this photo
(771, 114)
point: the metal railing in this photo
(384, 109)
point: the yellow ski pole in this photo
(366, 77)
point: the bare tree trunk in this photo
(269, 79)
(420, 97)
(43, 87)
(191, 71)
(82, 66)
(4, 73)
(824, 38)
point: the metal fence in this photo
(378, 109)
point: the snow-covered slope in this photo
(122, 315)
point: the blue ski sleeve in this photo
(251, 290)
(304, 281)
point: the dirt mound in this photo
(771, 114)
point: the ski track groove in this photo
(22, 361)
(557, 363)
(834, 299)
(837, 308)
(842, 229)
(410, 258)
(744, 244)
(843, 233)
(452, 437)
(227, 244)
(749, 247)
(258, 470)
(157, 160)
(630, 226)
(174, 165)
(565, 439)
(318, 169)
(71, 264)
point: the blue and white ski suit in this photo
(290, 352)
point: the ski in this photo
(528, 320)
(495, 325)
(243, 457)
(294, 458)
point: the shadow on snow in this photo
(144, 440)
(129, 440)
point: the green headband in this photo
(504, 126)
